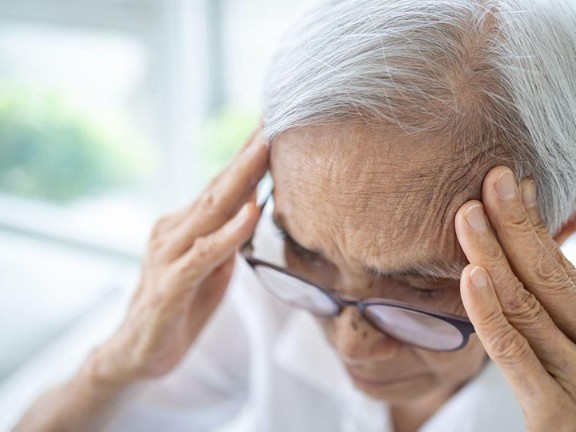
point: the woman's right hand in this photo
(184, 275)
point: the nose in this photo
(356, 341)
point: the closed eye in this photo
(428, 293)
(297, 249)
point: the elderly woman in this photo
(404, 275)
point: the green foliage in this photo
(51, 150)
(223, 136)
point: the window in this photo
(111, 113)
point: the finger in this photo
(520, 307)
(503, 343)
(211, 251)
(253, 197)
(166, 223)
(254, 135)
(529, 259)
(222, 200)
(530, 200)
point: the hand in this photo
(520, 293)
(185, 273)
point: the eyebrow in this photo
(426, 270)
(433, 269)
(282, 228)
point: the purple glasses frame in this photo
(462, 324)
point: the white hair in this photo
(484, 74)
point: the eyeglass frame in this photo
(461, 323)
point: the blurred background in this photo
(112, 112)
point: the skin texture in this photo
(365, 198)
(184, 276)
(520, 292)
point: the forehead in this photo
(376, 198)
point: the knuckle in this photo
(552, 277)
(516, 221)
(160, 226)
(492, 321)
(156, 245)
(547, 268)
(508, 346)
(211, 203)
(493, 252)
(540, 227)
(204, 247)
(208, 200)
(192, 265)
(524, 306)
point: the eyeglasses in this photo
(417, 326)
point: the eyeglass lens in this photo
(406, 325)
(415, 327)
(296, 292)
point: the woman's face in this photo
(371, 215)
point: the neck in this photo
(411, 416)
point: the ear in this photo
(566, 230)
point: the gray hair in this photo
(485, 74)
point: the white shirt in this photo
(261, 366)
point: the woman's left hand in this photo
(520, 293)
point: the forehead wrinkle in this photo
(328, 155)
(430, 223)
(357, 202)
(313, 233)
(363, 189)
(366, 257)
(460, 181)
(457, 183)
(373, 192)
(419, 199)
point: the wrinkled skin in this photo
(185, 273)
(363, 198)
(380, 199)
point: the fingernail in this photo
(506, 186)
(475, 217)
(529, 194)
(478, 277)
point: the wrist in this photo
(102, 376)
